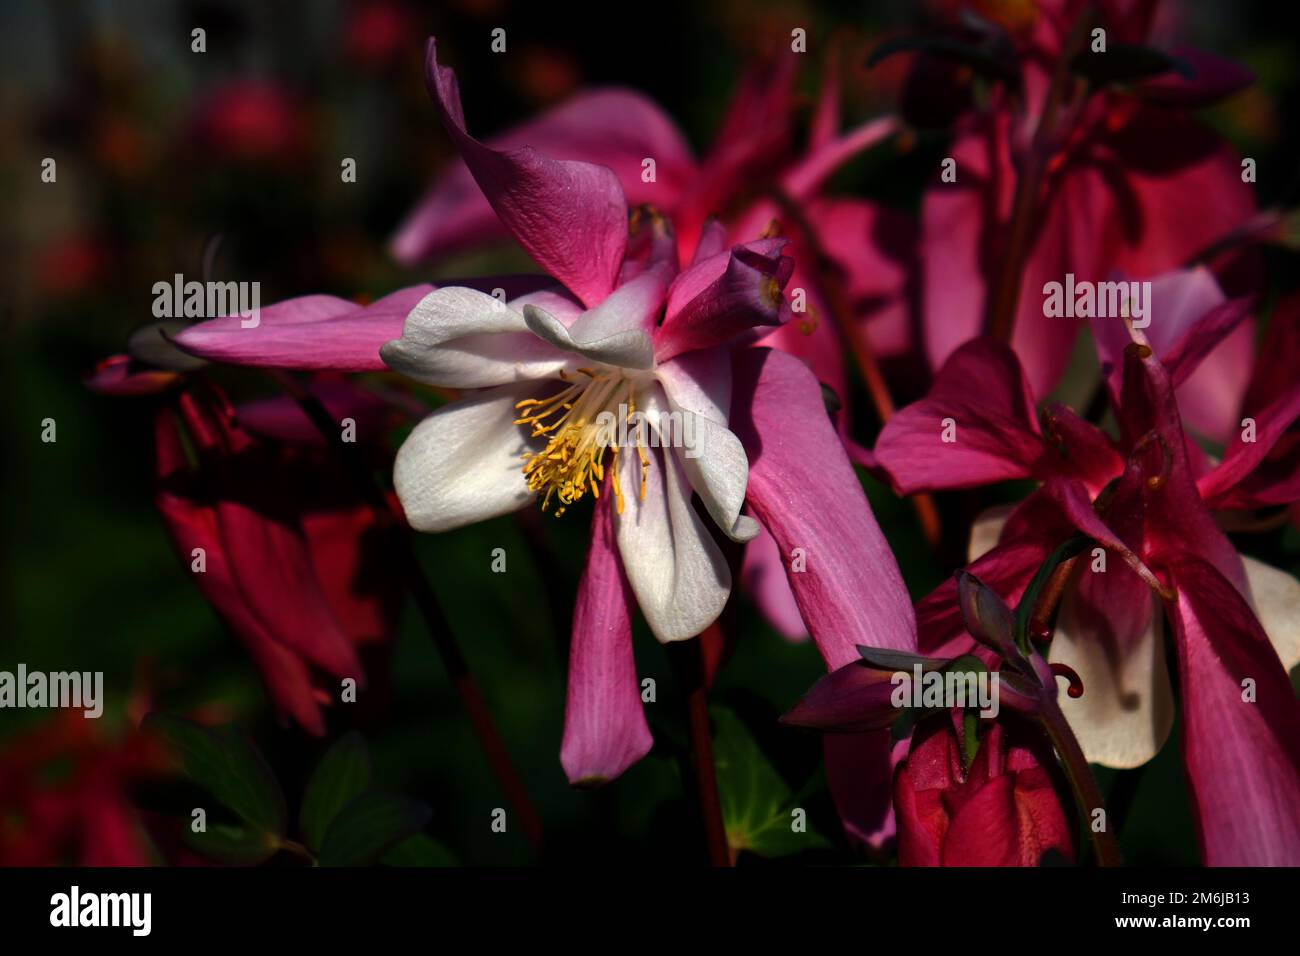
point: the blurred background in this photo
(159, 150)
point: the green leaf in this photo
(419, 850)
(225, 763)
(369, 826)
(342, 775)
(757, 803)
(235, 844)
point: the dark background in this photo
(90, 582)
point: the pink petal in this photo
(1199, 336)
(963, 235)
(811, 172)
(982, 389)
(193, 524)
(1242, 757)
(311, 332)
(723, 296)
(875, 248)
(1242, 459)
(804, 491)
(762, 574)
(570, 216)
(281, 418)
(607, 127)
(854, 698)
(605, 729)
(1177, 516)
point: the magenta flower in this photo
(297, 567)
(1117, 173)
(624, 330)
(622, 130)
(1003, 809)
(1139, 500)
(562, 372)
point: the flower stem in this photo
(688, 659)
(437, 625)
(1000, 319)
(1086, 794)
(859, 342)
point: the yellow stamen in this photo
(573, 460)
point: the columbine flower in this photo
(764, 440)
(620, 129)
(268, 522)
(973, 787)
(562, 369)
(293, 562)
(1139, 500)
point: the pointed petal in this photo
(851, 699)
(570, 216)
(310, 332)
(1213, 78)
(1243, 458)
(1242, 752)
(723, 296)
(980, 401)
(804, 491)
(607, 127)
(605, 729)
(860, 774)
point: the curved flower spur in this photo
(622, 383)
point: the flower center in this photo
(581, 421)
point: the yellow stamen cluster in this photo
(573, 460)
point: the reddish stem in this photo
(1000, 319)
(689, 663)
(1087, 796)
(439, 629)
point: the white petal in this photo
(614, 332)
(679, 576)
(462, 338)
(699, 381)
(1126, 711)
(464, 463)
(712, 457)
(1276, 597)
